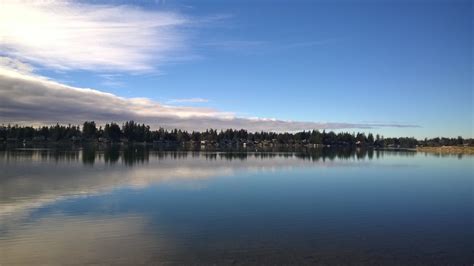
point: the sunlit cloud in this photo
(189, 100)
(32, 99)
(69, 35)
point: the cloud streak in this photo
(30, 99)
(15, 64)
(67, 35)
(189, 100)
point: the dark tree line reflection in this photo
(140, 154)
(112, 154)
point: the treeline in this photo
(135, 132)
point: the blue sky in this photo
(356, 62)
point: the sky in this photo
(396, 68)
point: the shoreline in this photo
(448, 150)
(191, 146)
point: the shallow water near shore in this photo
(142, 206)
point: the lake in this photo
(143, 206)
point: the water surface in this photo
(135, 205)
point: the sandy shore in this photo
(448, 150)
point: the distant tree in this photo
(44, 132)
(3, 132)
(362, 138)
(89, 130)
(113, 132)
(370, 139)
(128, 130)
(57, 132)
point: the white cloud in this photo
(68, 35)
(30, 99)
(189, 100)
(15, 64)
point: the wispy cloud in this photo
(30, 99)
(111, 80)
(235, 44)
(188, 100)
(252, 47)
(304, 44)
(71, 35)
(15, 64)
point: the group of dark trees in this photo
(135, 132)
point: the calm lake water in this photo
(139, 206)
